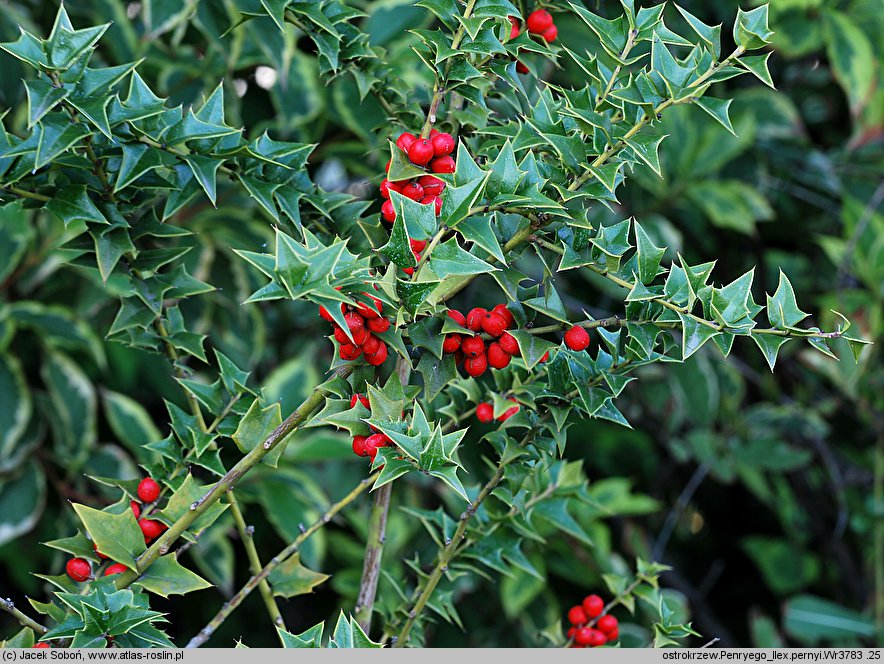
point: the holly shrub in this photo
(346, 311)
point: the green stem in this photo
(172, 354)
(246, 535)
(276, 561)
(24, 193)
(245, 531)
(637, 127)
(429, 250)
(630, 42)
(449, 551)
(612, 321)
(24, 621)
(230, 479)
(661, 299)
(439, 84)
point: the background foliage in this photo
(762, 490)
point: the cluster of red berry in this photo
(471, 348)
(485, 412)
(539, 23)
(79, 569)
(433, 153)
(361, 320)
(367, 446)
(591, 627)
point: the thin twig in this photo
(276, 561)
(449, 551)
(374, 550)
(377, 534)
(8, 606)
(246, 535)
(292, 423)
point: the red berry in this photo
(485, 412)
(593, 605)
(148, 490)
(421, 152)
(405, 140)
(494, 324)
(509, 412)
(97, 552)
(372, 310)
(550, 34)
(614, 634)
(136, 508)
(379, 356)
(323, 313)
(545, 357)
(408, 270)
(451, 343)
(349, 352)
(443, 144)
(475, 366)
(497, 358)
(472, 346)
(522, 68)
(360, 335)
(509, 344)
(413, 191)
(373, 442)
(388, 212)
(370, 347)
(354, 321)
(116, 568)
(434, 200)
(506, 314)
(607, 623)
(457, 317)
(151, 529)
(514, 30)
(432, 185)
(387, 168)
(577, 616)
(583, 636)
(539, 20)
(340, 336)
(359, 398)
(417, 245)
(378, 325)
(597, 638)
(41, 645)
(577, 338)
(475, 318)
(78, 569)
(442, 165)
(359, 446)
(387, 187)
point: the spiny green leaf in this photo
(166, 576)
